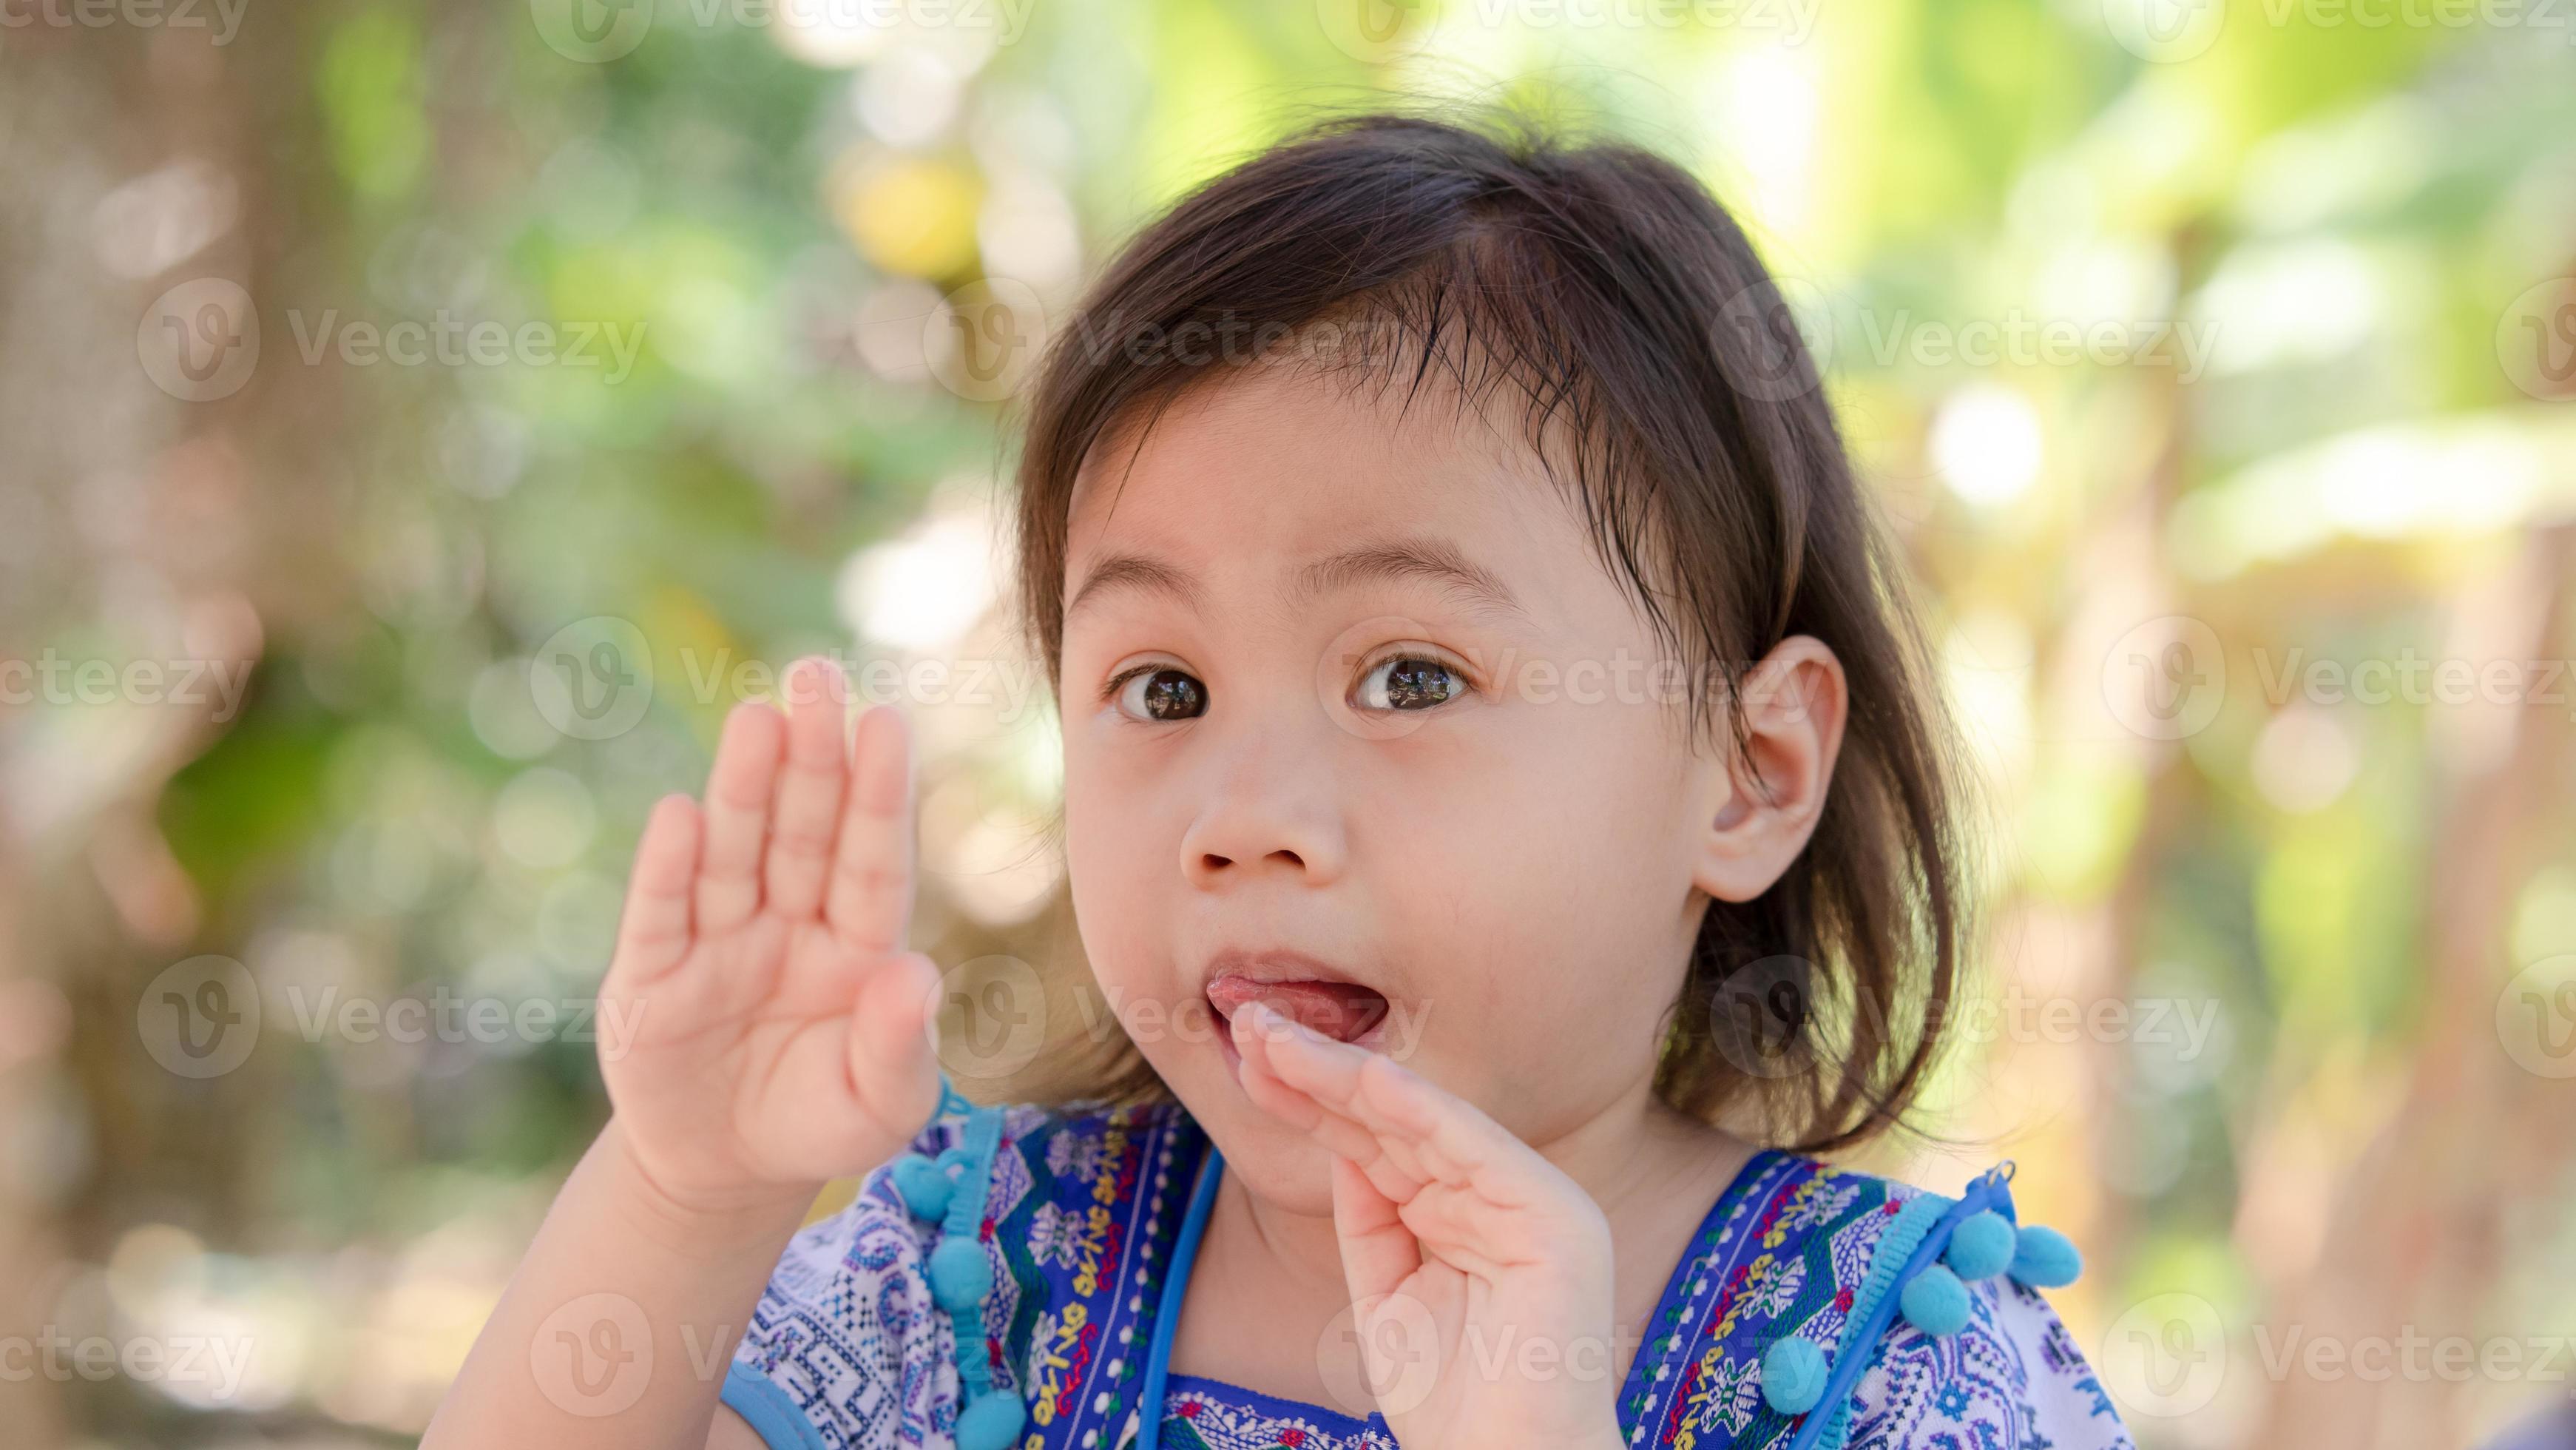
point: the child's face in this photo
(1511, 862)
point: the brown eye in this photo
(1408, 682)
(1162, 694)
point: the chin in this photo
(1287, 1171)
(1279, 1164)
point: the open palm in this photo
(776, 1033)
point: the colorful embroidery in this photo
(1080, 1219)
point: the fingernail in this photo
(1292, 1027)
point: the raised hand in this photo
(1461, 1246)
(777, 1031)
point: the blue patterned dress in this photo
(847, 1351)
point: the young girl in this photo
(1493, 760)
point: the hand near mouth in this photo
(1479, 1272)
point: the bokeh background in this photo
(420, 422)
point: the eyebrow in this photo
(1435, 560)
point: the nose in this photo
(1270, 812)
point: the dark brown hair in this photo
(1604, 294)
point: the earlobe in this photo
(1792, 706)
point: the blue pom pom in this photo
(925, 1189)
(991, 1423)
(1793, 1375)
(1982, 1247)
(1935, 1301)
(955, 1158)
(960, 1275)
(2045, 1258)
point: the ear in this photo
(1760, 810)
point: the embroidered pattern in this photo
(1085, 1206)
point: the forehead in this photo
(1281, 464)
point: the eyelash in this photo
(1468, 684)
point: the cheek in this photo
(1581, 801)
(1122, 832)
(1552, 859)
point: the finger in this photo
(1329, 1072)
(1454, 1139)
(808, 801)
(1434, 1141)
(738, 796)
(1298, 1109)
(1378, 1251)
(894, 1040)
(1492, 1194)
(1316, 1083)
(870, 907)
(653, 933)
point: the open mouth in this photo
(1342, 1011)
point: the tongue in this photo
(1339, 1010)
